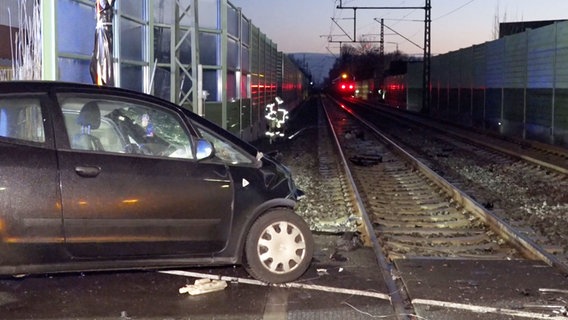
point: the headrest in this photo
(90, 115)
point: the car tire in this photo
(279, 247)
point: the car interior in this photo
(20, 118)
(89, 119)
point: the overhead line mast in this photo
(427, 55)
(427, 42)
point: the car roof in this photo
(43, 85)
(20, 86)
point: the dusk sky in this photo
(306, 25)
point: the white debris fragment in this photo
(202, 286)
(322, 272)
(340, 269)
(552, 290)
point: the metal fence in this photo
(516, 85)
(219, 64)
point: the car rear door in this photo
(30, 204)
(131, 186)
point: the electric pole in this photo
(426, 72)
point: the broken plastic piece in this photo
(322, 272)
(202, 286)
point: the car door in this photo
(130, 183)
(30, 204)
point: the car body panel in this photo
(30, 206)
(135, 205)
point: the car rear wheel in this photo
(279, 247)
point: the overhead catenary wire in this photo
(406, 17)
(453, 11)
(358, 29)
(405, 38)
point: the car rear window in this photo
(20, 118)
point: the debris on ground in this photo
(202, 286)
(366, 160)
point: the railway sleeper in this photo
(415, 205)
(442, 239)
(432, 201)
(427, 231)
(393, 256)
(472, 250)
(410, 211)
(387, 201)
(457, 224)
(380, 185)
(425, 218)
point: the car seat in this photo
(89, 119)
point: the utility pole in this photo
(382, 39)
(426, 95)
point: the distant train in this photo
(345, 86)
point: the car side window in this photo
(20, 118)
(124, 126)
(224, 150)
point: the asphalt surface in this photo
(338, 285)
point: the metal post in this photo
(554, 84)
(195, 58)
(177, 68)
(174, 72)
(224, 70)
(426, 69)
(149, 71)
(355, 24)
(49, 59)
(199, 89)
(382, 39)
(526, 84)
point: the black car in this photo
(98, 178)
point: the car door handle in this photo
(87, 171)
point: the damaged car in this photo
(99, 178)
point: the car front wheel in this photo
(279, 247)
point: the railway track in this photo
(514, 190)
(414, 213)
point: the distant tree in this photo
(497, 22)
(366, 46)
(364, 62)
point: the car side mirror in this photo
(204, 149)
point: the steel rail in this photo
(395, 292)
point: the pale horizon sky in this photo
(306, 25)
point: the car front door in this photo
(131, 185)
